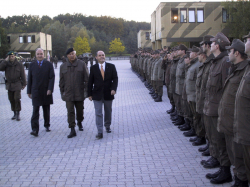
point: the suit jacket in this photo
(40, 80)
(99, 88)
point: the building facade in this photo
(144, 39)
(186, 22)
(29, 42)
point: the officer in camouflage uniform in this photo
(238, 58)
(214, 89)
(241, 127)
(205, 57)
(15, 82)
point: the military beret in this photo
(10, 53)
(221, 39)
(238, 45)
(182, 47)
(194, 49)
(246, 36)
(206, 39)
(69, 50)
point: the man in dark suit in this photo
(102, 86)
(41, 79)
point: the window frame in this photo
(224, 10)
(182, 9)
(202, 15)
(21, 39)
(191, 9)
(173, 15)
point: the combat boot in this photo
(205, 161)
(18, 115)
(14, 117)
(213, 163)
(154, 96)
(206, 153)
(180, 121)
(152, 92)
(158, 99)
(173, 113)
(199, 141)
(79, 124)
(193, 139)
(171, 109)
(72, 133)
(239, 183)
(213, 175)
(190, 133)
(202, 149)
(224, 176)
(185, 127)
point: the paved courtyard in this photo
(144, 149)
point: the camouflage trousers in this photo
(170, 95)
(15, 100)
(159, 87)
(217, 146)
(197, 120)
(177, 101)
(235, 153)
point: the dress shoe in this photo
(190, 133)
(18, 115)
(199, 141)
(34, 133)
(154, 96)
(239, 183)
(79, 124)
(223, 177)
(72, 133)
(205, 161)
(206, 153)
(213, 175)
(14, 117)
(174, 118)
(158, 99)
(47, 129)
(171, 109)
(213, 163)
(108, 130)
(193, 139)
(202, 149)
(99, 136)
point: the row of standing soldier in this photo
(209, 90)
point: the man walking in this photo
(73, 86)
(15, 82)
(102, 86)
(41, 79)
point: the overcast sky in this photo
(137, 10)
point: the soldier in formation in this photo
(208, 89)
(15, 82)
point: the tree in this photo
(238, 17)
(81, 45)
(116, 46)
(4, 47)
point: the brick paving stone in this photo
(144, 148)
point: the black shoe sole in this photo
(221, 182)
(71, 136)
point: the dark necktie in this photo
(39, 64)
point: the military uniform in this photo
(15, 82)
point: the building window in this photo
(191, 15)
(8, 39)
(20, 39)
(224, 15)
(200, 15)
(147, 36)
(29, 39)
(183, 18)
(174, 15)
(33, 39)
